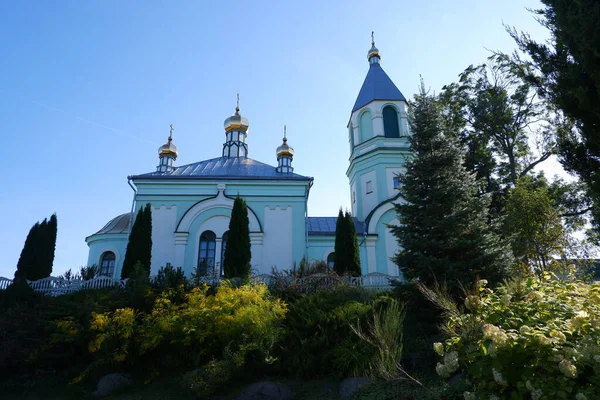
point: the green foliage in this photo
(139, 246)
(566, 71)
(237, 324)
(37, 256)
(384, 334)
(318, 340)
(527, 339)
(347, 258)
(444, 233)
(236, 261)
(204, 382)
(169, 277)
(535, 228)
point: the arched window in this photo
(223, 247)
(206, 253)
(107, 264)
(330, 260)
(365, 126)
(390, 122)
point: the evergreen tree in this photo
(340, 261)
(139, 246)
(236, 261)
(28, 258)
(566, 71)
(48, 247)
(353, 255)
(443, 234)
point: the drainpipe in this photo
(132, 206)
(306, 220)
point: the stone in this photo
(110, 383)
(350, 386)
(266, 391)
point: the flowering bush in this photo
(529, 339)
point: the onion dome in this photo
(236, 122)
(168, 149)
(285, 150)
(374, 51)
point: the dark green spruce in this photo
(444, 234)
(139, 246)
(236, 261)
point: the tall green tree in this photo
(353, 254)
(28, 258)
(347, 256)
(236, 261)
(37, 256)
(139, 246)
(340, 251)
(566, 71)
(534, 225)
(444, 234)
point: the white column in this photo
(377, 123)
(181, 239)
(218, 249)
(256, 247)
(371, 254)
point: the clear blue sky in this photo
(88, 90)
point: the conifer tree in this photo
(353, 255)
(444, 234)
(139, 246)
(340, 252)
(236, 261)
(27, 259)
(48, 247)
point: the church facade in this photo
(191, 204)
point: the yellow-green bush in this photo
(234, 323)
(537, 339)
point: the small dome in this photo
(168, 149)
(236, 122)
(285, 150)
(374, 52)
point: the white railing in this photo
(58, 286)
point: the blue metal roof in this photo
(377, 86)
(326, 225)
(224, 168)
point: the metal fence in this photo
(52, 286)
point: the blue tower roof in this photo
(377, 86)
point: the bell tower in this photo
(377, 132)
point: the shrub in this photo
(204, 382)
(237, 324)
(527, 339)
(318, 339)
(384, 335)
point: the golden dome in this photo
(285, 150)
(168, 149)
(236, 122)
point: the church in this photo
(191, 204)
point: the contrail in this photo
(88, 121)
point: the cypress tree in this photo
(443, 234)
(340, 261)
(27, 259)
(48, 245)
(236, 261)
(353, 255)
(139, 246)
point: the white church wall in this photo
(164, 221)
(368, 192)
(278, 236)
